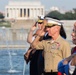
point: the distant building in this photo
(23, 10)
(54, 8)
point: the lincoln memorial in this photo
(22, 10)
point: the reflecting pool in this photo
(12, 62)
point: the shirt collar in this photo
(52, 41)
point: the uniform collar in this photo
(52, 41)
(58, 38)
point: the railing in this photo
(13, 38)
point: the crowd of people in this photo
(50, 53)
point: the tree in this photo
(55, 14)
(74, 9)
(1, 16)
(69, 15)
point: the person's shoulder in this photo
(64, 40)
(60, 64)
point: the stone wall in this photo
(26, 24)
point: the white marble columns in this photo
(23, 13)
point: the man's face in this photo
(51, 30)
(40, 24)
(74, 34)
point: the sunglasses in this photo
(40, 22)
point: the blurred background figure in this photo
(68, 65)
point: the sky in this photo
(62, 4)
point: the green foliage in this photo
(1, 16)
(71, 15)
(68, 15)
(54, 14)
(74, 9)
(5, 23)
